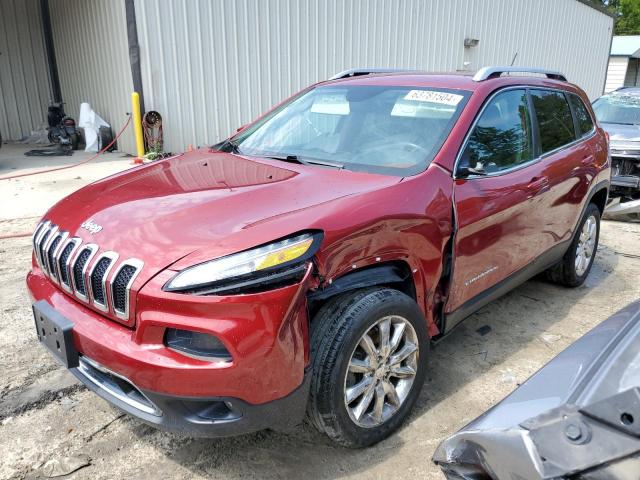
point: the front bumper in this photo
(263, 386)
(196, 417)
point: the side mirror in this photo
(465, 172)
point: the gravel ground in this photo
(50, 425)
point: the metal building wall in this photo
(92, 52)
(209, 67)
(24, 78)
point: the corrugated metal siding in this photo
(616, 73)
(631, 78)
(24, 78)
(92, 51)
(209, 67)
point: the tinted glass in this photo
(383, 129)
(622, 108)
(554, 119)
(583, 119)
(502, 137)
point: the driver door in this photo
(496, 199)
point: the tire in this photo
(106, 137)
(566, 272)
(52, 138)
(336, 334)
(74, 140)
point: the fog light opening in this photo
(201, 346)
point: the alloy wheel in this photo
(381, 371)
(586, 245)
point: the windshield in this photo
(380, 129)
(619, 108)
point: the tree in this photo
(627, 14)
(628, 22)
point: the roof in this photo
(599, 7)
(457, 81)
(626, 46)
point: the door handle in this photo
(537, 185)
(587, 160)
(537, 182)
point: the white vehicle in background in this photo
(619, 115)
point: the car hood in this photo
(204, 203)
(563, 420)
(623, 137)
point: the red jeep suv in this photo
(304, 265)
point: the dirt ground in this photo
(50, 424)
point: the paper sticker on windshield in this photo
(331, 104)
(443, 98)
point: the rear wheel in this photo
(576, 264)
(368, 365)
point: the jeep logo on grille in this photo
(91, 226)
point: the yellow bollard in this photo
(137, 126)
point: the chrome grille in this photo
(98, 279)
(79, 270)
(121, 285)
(71, 264)
(41, 246)
(39, 232)
(51, 264)
(63, 267)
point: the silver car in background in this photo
(619, 114)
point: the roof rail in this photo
(356, 72)
(494, 72)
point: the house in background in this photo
(623, 68)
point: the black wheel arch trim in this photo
(387, 274)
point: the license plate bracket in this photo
(56, 333)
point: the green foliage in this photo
(628, 23)
(627, 13)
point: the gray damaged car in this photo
(578, 417)
(619, 115)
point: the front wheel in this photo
(368, 365)
(576, 264)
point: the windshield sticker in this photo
(334, 104)
(442, 98)
(406, 108)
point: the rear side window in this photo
(583, 119)
(502, 137)
(555, 122)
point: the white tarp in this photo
(91, 122)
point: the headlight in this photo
(275, 263)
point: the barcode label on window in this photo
(443, 98)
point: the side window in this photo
(583, 119)
(555, 122)
(502, 137)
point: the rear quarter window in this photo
(584, 123)
(555, 122)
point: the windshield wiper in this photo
(306, 161)
(228, 146)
